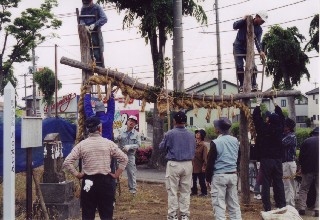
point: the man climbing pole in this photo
(93, 17)
(89, 8)
(240, 45)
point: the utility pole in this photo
(178, 68)
(218, 48)
(34, 101)
(56, 79)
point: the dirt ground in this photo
(151, 203)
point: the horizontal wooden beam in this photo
(127, 80)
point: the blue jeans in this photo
(241, 48)
(131, 173)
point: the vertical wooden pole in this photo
(9, 152)
(56, 78)
(244, 140)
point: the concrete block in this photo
(57, 192)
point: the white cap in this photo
(133, 118)
(263, 15)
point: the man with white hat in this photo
(221, 171)
(240, 45)
(129, 141)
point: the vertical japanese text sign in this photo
(9, 152)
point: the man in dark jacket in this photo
(270, 146)
(309, 161)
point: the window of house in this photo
(301, 119)
(318, 117)
(283, 103)
(224, 86)
(191, 120)
(314, 117)
(316, 101)
(314, 97)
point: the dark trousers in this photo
(100, 196)
(241, 48)
(271, 171)
(203, 187)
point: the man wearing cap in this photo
(221, 171)
(179, 143)
(89, 8)
(240, 45)
(199, 163)
(97, 191)
(289, 166)
(309, 161)
(129, 141)
(271, 151)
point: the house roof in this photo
(314, 91)
(207, 85)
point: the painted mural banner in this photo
(121, 118)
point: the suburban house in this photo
(210, 88)
(313, 106)
(306, 106)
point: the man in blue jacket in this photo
(240, 45)
(180, 145)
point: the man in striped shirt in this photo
(96, 153)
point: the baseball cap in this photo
(223, 124)
(263, 15)
(133, 117)
(180, 117)
(92, 122)
(100, 107)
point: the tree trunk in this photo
(288, 86)
(157, 158)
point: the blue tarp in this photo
(67, 133)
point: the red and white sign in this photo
(67, 103)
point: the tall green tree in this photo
(314, 35)
(156, 24)
(26, 32)
(286, 61)
(46, 81)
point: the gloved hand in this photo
(91, 27)
(126, 148)
(258, 99)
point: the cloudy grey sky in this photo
(126, 51)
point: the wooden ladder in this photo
(96, 41)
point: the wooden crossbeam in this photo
(127, 80)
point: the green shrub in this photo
(235, 130)
(302, 134)
(210, 133)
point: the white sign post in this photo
(9, 152)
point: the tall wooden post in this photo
(244, 140)
(84, 49)
(9, 152)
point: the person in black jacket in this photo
(269, 137)
(309, 161)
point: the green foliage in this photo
(235, 130)
(286, 62)
(210, 133)
(313, 44)
(302, 134)
(46, 80)
(27, 32)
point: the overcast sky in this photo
(126, 51)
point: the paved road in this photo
(145, 174)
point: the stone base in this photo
(60, 211)
(57, 192)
